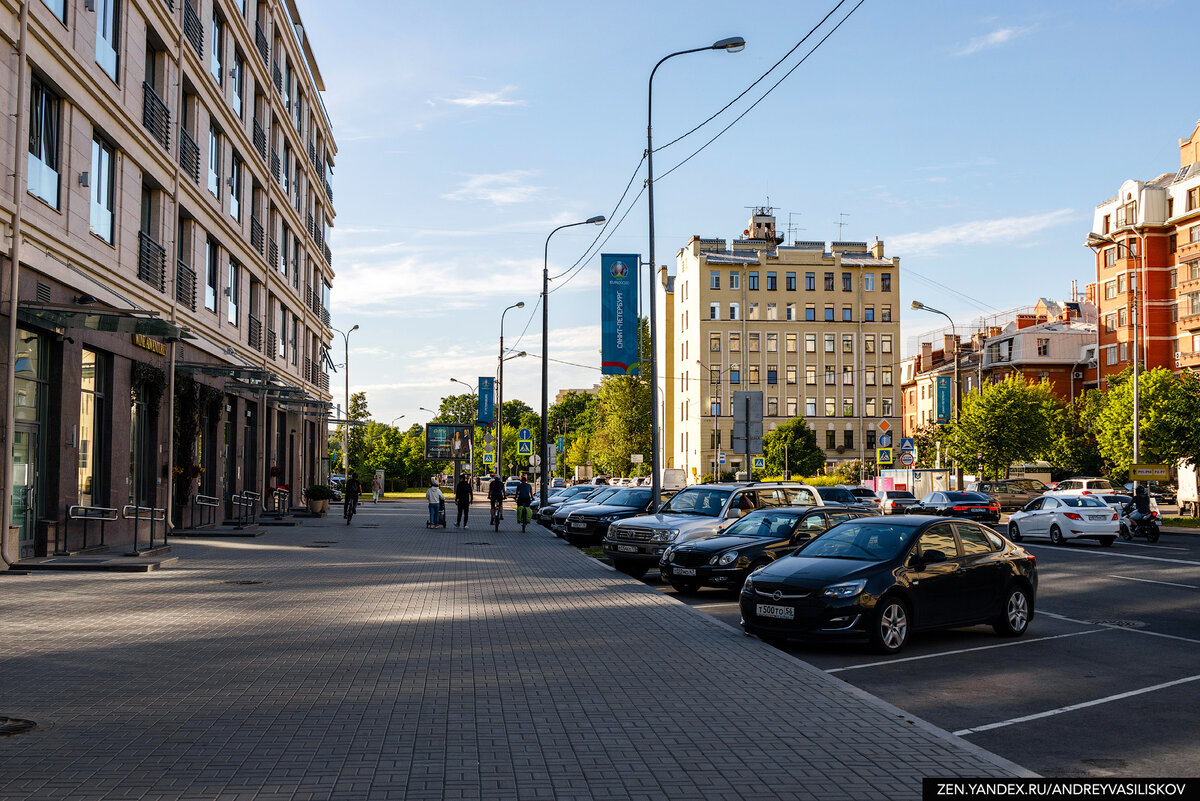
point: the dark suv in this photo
(587, 524)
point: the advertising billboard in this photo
(444, 442)
(943, 399)
(618, 313)
(487, 400)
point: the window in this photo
(714, 342)
(869, 343)
(753, 343)
(752, 370)
(1110, 290)
(1110, 257)
(1193, 198)
(885, 343)
(1122, 317)
(1172, 243)
(848, 439)
(810, 312)
(735, 343)
(790, 284)
(885, 282)
(90, 472)
(102, 179)
(869, 407)
(828, 282)
(734, 310)
(1174, 277)
(233, 288)
(1110, 354)
(714, 311)
(59, 7)
(885, 314)
(772, 343)
(870, 437)
(810, 343)
(847, 375)
(1107, 223)
(868, 314)
(830, 408)
(1043, 347)
(791, 312)
(292, 342)
(772, 311)
(829, 314)
(885, 407)
(810, 375)
(847, 314)
(214, 162)
(218, 46)
(283, 331)
(236, 73)
(735, 375)
(752, 280)
(887, 376)
(830, 376)
(714, 279)
(868, 282)
(42, 180)
(1124, 346)
(753, 309)
(790, 374)
(810, 282)
(1121, 283)
(790, 342)
(847, 343)
(735, 280)
(714, 375)
(829, 343)
(791, 407)
(1194, 234)
(870, 376)
(210, 274)
(847, 283)
(771, 282)
(772, 405)
(847, 407)
(235, 189)
(810, 407)
(107, 35)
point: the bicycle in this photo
(349, 508)
(524, 513)
(497, 513)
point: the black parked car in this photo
(587, 524)
(576, 493)
(759, 538)
(971, 505)
(843, 497)
(884, 577)
(558, 516)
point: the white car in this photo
(1065, 517)
(1083, 486)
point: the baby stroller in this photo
(441, 523)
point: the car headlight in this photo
(667, 554)
(728, 558)
(847, 589)
(748, 584)
(665, 536)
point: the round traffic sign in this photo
(885, 440)
(907, 459)
(535, 460)
(524, 433)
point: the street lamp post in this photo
(394, 419)
(919, 306)
(733, 44)
(544, 452)
(500, 389)
(715, 417)
(346, 416)
(1095, 242)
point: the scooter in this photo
(1139, 526)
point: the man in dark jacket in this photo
(462, 499)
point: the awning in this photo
(116, 321)
(238, 372)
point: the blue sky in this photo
(973, 138)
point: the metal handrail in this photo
(100, 514)
(139, 514)
(206, 505)
(281, 500)
(245, 508)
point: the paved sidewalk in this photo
(395, 662)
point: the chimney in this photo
(926, 355)
(877, 249)
(1025, 320)
(948, 342)
(662, 275)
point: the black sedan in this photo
(971, 505)
(884, 577)
(574, 494)
(587, 524)
(759, 538)
(558, 517)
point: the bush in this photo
(319, 492)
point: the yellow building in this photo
(815, 329)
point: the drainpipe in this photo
(14, 266)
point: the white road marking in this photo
(960, 651)
(1112, 555)
(1148, 581)
(1118, 628)
(1073, 707)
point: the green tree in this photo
(1075, 451)
(458, 410)
(799, 442)
(623, 424)
(929, 440)
(1169, 419)
(1007, 421)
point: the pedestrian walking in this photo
(377, 488)
(462, 499)
(436, 499)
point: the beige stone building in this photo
(167, 196)
(815, 329)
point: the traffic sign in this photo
(884, 425)
(1150, 472)
(636, 458)
(760, 463)
(885, 440)
(535, 460)
(524, 433)
(883, 455)
(489, 458)
(721, 458)
(906, 444)
(907, 459)
(488, 447)
(524, 448)
(489, 439)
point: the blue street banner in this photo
(487, 399)
(618, 317)
(561, 444)
(943, 399)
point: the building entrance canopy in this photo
(135, 321)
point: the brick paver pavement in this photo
(395, 662)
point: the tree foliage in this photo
(799, 442)
(1006, 421)
(1169, 419)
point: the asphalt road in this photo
(1105, 682)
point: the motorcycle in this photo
(1135, 525)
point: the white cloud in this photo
(997, 38)
(477, 99)
(979, 232)
(499, 188)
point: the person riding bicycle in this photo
(496, 496)
(524, 498)
(352, 491)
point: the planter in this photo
(318, 507)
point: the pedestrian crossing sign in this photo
(525, 447)
(489, 458)
(883, 455)
(760, 463)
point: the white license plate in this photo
(627, 548)
(578, 525)
(685, 571)
(781, 612)
(1099, 517)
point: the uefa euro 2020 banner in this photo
(619, 321)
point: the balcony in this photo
(152, 262)
(189, 155)
(185, 285)
(328, 191)
(254, 334)
(156, 117)
(311, 229)
(308, 371)
(276, 169)
(325, 318)
(273, 255)
(257, 239)
(260, 140)
(192, 29)
(328, 254)
(1187, 250)
(323, 381)
(260, 41)
(277, 77)
(272, 343)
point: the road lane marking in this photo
(1119, 555)
(960, 651)
(1148, 581)
(1118, 628)
(1074, 707)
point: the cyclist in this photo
(524, 497)
(496, 498)
(436, 499)
(352, 491)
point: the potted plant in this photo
(318, 496)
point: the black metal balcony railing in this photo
(156, 117)
(260, 41)
(323, 381)
(189, 155)
(275, 165)
(152, 262)
(312, 153)
(308, 296)
(308, 370)
(328, 191)
(328, 254)
(272, 343)
(260, 140)
(273, 255)
(254, 334)
(277, 77)
(170, 4)
(192, 28)
(257, 238)
(325, 316)
(311, 228)
(185, 285)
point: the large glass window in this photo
(235, 189)
(103, 173)
(214, 162)
(234, 290)
(42, 180)
(211, 254)
(107, 31)
(218, 47)
(238, 81)
(90, 465)
(59, 7)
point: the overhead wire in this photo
(607, 222)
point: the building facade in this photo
(815, 329)
(167, 279)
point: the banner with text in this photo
(943, 399)
(618, 319)
(487, 402)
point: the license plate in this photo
(1099, 517)
(627, 548)
(685, 571)
(578, 525)
(781, 612)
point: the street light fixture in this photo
(919, 306)
(1095, 242)
(394, 419)
(544, 479)
(346, 416)
(732, 44)
(520, 304)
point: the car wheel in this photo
(1014, 532)
(686, 587)
(889, 629)
(1056, 536)
(631, 569)
(1106, 542)
(1014, 618)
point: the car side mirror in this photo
(733, 514)
(932, 557)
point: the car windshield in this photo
(697, 501)
(862, 541)
(629, 497)
(571, 492)
(834, 494)
(765, 524)
(1082, 500)
(971, 497)
(862, 492)
(900, 494)
(599, 496)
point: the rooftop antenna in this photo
(792, 227)
(841, 223)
